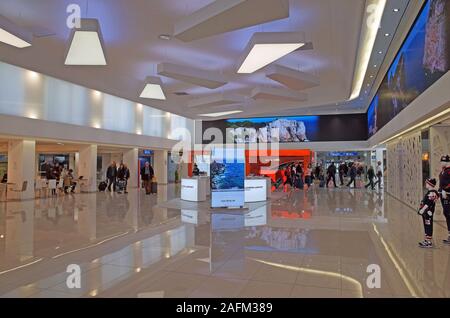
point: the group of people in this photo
(56, 171)
(297, 176)
(353, 171)
(118, 176)
(428, 204)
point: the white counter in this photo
(257, 189)
(194, 189)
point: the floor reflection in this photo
(315, 243)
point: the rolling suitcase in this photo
(102, 186)
(154, 187)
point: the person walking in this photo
(352, 176)
(123, 174)
(147, 174)
(331, 172)
(370, 176)
(111, 175)
(308, 175)
(379, 175)
(342, 173)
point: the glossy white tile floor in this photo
(315, 243)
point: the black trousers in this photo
(446, 207)
(341, 178)
(370, 184)
(427, 224)
(112, 181)
(378, 182)
(352, 180)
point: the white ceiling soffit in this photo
(191, 75)
(267, 47)
(273, 93)
(291, 78)
(371, 22)
(216, 100)
(86, 46)
(12, 34)
(228, 15)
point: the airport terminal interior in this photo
(225, 149)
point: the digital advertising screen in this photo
(268, 129)
(423, 59)
(227, 172)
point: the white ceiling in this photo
(133, 48)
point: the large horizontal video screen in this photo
(292, 129)
(423, 59)
(349, 127)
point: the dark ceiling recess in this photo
(180, 93)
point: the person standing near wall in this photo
(147, 174)
(444, 190)
(379, 175)
(426, 210)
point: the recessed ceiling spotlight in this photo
(165, 37)
(380, 52)
(396, 10)
(374, 65)
(371, 76)
(387, 34)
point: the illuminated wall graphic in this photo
(227, 177)
(291, 129)
(423, 59)
(296, 129)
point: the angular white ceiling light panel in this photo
(191, 75)
(228, 15)
(291, 78)
(267, 47)
(153, 89)
(220, 114)
(273, 93)
(216, 100)
(13, 35)
(86, 46)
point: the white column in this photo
(131, 158)
(21, 167)
(88, 167)
(160, 166)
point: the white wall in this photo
(404, 169)
(28, 94)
